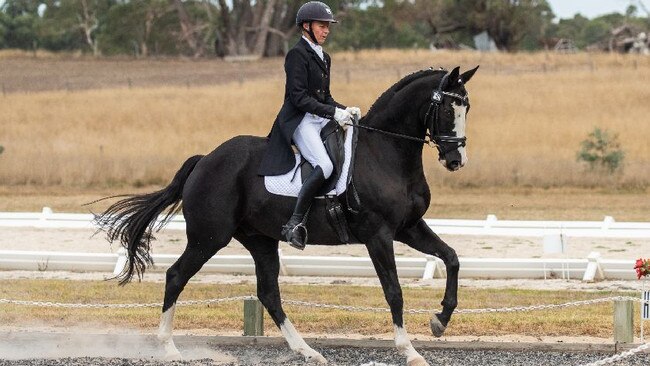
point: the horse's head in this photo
(446, 115)
(431, 103)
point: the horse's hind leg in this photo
(422, 238)
(380, 249)
(267, 268)
(198, 251)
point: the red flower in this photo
(642, 267)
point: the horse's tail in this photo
(133, 219)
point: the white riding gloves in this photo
(355, 111)
(342, 116)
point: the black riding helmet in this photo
(311, 11)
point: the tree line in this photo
(203, 28)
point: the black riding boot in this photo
(295, 230)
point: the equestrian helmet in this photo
(314, 10)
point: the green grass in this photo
(594, 320)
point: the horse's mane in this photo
(390, 92)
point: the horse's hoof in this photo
(417, 362)
(317, 357)
(173, 356)
(436, 326)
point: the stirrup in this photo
(292, 236)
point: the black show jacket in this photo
(307, 90)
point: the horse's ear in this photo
(468, 75)
(452, 78)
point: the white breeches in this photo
(307, 138)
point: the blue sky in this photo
(593, 8)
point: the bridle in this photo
(433, 115)
(432, 121)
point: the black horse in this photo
(223, 197)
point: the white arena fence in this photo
(427, 267)
(491, 226)
(588, 269)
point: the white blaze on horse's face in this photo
(460, 113)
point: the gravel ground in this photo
(71, 349)
(271, 356)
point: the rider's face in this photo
(320, 29)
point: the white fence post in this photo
(429, 268)
(121, 261)
(594, 269)
(607, 222)
(283, 268)
(489, 220)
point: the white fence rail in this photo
(427, 267)
(491, 226)
(588, 269)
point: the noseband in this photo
(431, 120)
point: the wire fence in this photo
(605, 361)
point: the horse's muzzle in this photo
(452, 165)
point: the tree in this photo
(19, 23)
(138, 27)
(255, 28)
(376, 27)
(509, 22)
(74, 24)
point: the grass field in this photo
(73, 131)
(524, 128)
(595, 320)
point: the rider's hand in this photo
(342, 116)
(355, 111)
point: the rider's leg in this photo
(307, 138)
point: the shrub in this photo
(2, 148)
(601, 149)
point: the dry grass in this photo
(468, 203)
(524, 128)
(580, 321)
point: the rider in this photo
(308, 107)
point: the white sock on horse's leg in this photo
(405, 348)
(298, 344)
(165, 333)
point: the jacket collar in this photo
(307, 47)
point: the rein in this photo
(393, 134)
(434, 138)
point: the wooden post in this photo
(253, 318)
(623, 321)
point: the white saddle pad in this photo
(289, 184)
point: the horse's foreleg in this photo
(382, 255)
(177, 277)
(267, 268)
(422, 238)
(165, 334)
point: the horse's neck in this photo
(390, 154)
